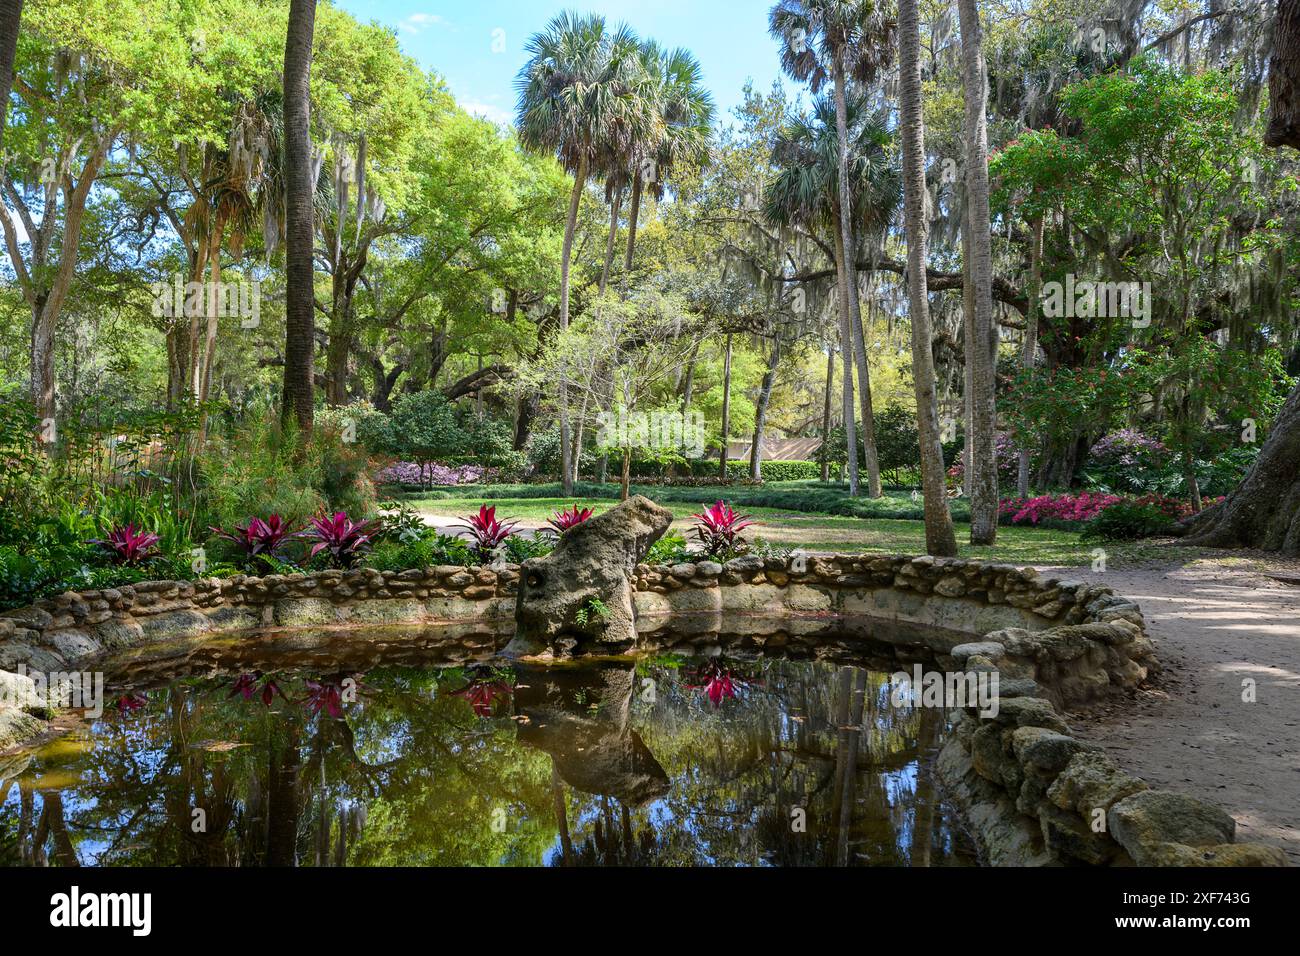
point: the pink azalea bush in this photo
(413, 474)
(1081, 507)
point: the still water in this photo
(345, 751)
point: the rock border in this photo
(1031, 793)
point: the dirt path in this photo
(1215, 626)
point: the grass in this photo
(792, 528)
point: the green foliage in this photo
(594, 610)
(519, 548)
(1126, 521)
(670, 549)
(427, 552)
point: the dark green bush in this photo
(1126, 522)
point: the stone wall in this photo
(1031, 793)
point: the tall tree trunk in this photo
(984, 465)
(300, 317)
(726, 409)
(615, 206)
(940, 539)
(1029, 351)
(760, 412)
(850, 281)
(846, 349)
(826, 411)
(566, 257)
(968, 357)
(1284, 78)
(11, 14)
(633, 215)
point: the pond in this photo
(427, 749)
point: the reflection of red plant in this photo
(483, 695)
(130, 703)
(326, 696)
(564, 520)
(246, 686)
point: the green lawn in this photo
(791, 529)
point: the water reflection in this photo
(270, 755)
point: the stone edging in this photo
(1031, 793)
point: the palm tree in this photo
(578, 99)
(681, 133)
(983, 463)
(806, 192)
(939, 537)
(300, 322)
(834, 40)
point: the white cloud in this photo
(418, 21)
(493, 114)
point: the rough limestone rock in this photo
(594, 560)
(1227, 854)
(1147, 819)
(17, 727)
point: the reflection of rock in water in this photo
(581, 718)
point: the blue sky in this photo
(729, 37)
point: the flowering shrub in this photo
(1081, 507)
(1127, 446)
(412, 474)
(1087, 506)
(1008, 459)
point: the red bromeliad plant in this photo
(324, 695)
(130, 546)
(564, 520)
(488, 533)
(246, 687)
(344, 539)
(483, 695)
(258, 538)
(718, 529)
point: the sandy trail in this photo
(1215, 628)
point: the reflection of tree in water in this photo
(572, 767)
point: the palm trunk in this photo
(633, 216)
(726, 409)
(826, 411)
(984, 466)
(1029, 351)
(846, 347)
(615, 206)
(566, 257)
(939, 537)
(300, 319)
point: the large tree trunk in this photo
(726, 409)
(760, 412)
(566, 256)
(637, 187)
(11, 14)
(846, 348)
(826, 411)
(300, 318)
(939, 537)
(1264, 512)
(984, 465)
(1284, 78)
(850, 280)
(1029, 351)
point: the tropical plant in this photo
(564, 519)
(129, 545)
(341, 538)
(487, 532)
(718, 530)
(258, 539)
